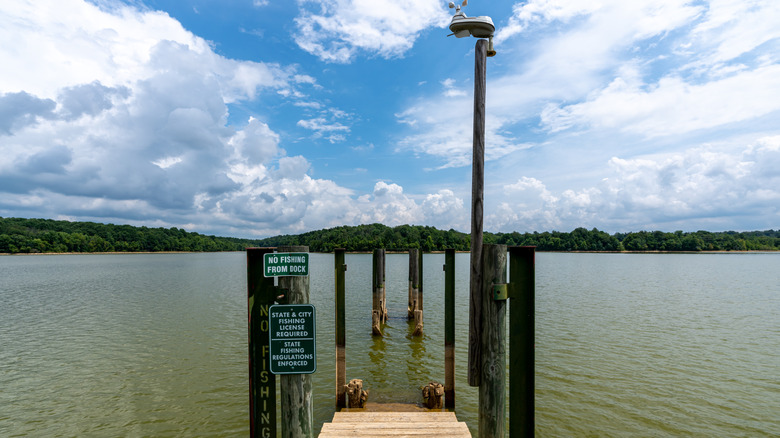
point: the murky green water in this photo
(155, 344)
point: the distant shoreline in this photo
(390, 252)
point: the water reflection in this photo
(377, 355)
(417, 366)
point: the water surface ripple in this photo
(137, 345)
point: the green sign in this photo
(285, 263)
(291, 335)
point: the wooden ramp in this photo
(395, 424)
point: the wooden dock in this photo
(395, 424)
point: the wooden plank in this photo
(394, 416)
(395, 429)
(394, 424)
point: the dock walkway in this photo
(395, 424)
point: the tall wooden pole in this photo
(492, 387)
(449, 329)
(262, 384)
(477, 191)
(341, 338)
(522, 276)
(296, 389)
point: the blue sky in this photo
(254, 118)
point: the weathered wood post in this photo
(262, 384)
(341, 340)
(379, 304)
(477, 194)
(416, 290)
(449, 329)
(413, 281)
(492, 387)
(296, 389)
(420, 281)
(356, 395)
(522, 277)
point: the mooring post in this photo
(379, 306)
(477, 193)
(262, 384)
(296, 389)
(420, 280)
(492, 387)
(414, 281)
(341, 339)
(522, 277)
(449, 329)
(415, 290)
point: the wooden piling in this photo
(449, 329)
(420, 299)
(522, 276)
(477, 193)
(379, 301)
(341, 339)
(262, 384)
(414, 281)
(418, 323)
(356, 395)
(432, 395)
(492, 388)
(296, 389)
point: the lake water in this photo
(135, 345)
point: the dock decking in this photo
(395, 424)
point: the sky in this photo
(254, 118)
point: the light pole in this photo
(479, 27)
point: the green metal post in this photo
(341, 370)
(262, 384)
(449, 329)
(521, 340)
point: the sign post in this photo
(292, 339)
(291, 264)
(262, 383)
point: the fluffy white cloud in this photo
(706, 187)
(336, 30)
(446, 210)
(128, 120)
(389, 205)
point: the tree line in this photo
(404, 237)
(18, 235)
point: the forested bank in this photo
(18, 235)
(403, 237)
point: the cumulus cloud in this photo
(446, 210)
(134, 125)
(337, 30)
(706, 186)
